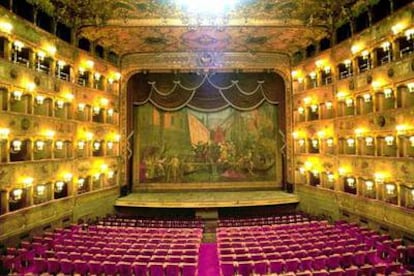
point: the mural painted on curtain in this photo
(191, 146)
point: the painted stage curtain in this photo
(206, 92)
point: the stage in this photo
(206, 199)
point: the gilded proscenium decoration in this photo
(138, 26)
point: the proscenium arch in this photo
(208, 92)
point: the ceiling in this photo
(156, 26)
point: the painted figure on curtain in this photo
(191, 146)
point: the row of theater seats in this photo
(108, 250)
(268, 220)
(308, 248)
(154, 223)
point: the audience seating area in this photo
(109, 250)
(284, 245)
(308, 248)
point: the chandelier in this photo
(197, 13)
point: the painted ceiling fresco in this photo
(156, 26)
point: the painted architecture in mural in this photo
(190, 146)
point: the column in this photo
(4, 208)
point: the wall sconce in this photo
(60, 64)
(59, 186)
(81, 107)
(6, 27)
(390, 189)
(328, 105)
(96, 146)
(307, 100)
(330, 142)
(31, 86)
(117, 137)
(409, 34)
(41, 55)
(89, 64)
(301, 142)
(350, 181)
(379, 178)
(40, 145)
(342, 171)
(89, 136)
(97, 176)
(330, 177)
(17, 194)
(389, 140)
(388, 93)
(110, 144)
(300, 80)
(410, 87)
(397, 28)
(104, 101)
(17, 95)
(81, 70)
(28, 182)
(369, 185)
(81, 145)
(117, 76)
(81, 183)
(49, 134)
(312, 75)
(315, 173)
(315, 143)
(40, 99)
(412, 194)
(401, 129)
(16, 145)
(51, 49)
(67, 177)
(4, 133)
(314, 108)
(97, 76)
(319, 63)
(301, 110)
(110, 112)
(411, 139)
(355, 48)
(59, 145)
(40, 190)
(359, 132)
(18, 45)
(60, 104)
(321, 133)
(369, 141)
(110, 174)
(96, 109)
(350, 142)
(302, 170)
(327, 70)
(367, 98)
(386, 46)
(341, 95)
(347, 63)
(349, 102)
(365, 54)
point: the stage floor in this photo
(206, 199)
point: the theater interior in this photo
(211, 138)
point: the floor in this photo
(208, 264)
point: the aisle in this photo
(208, 264)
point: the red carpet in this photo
(208, 264)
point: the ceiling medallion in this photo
(197, 13)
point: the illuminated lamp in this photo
(40, 190)
(40, 99)
(81, 107)
(350, 142)
(315, 143)
(349, 102)
(6, 27)
(18, 45)
(81, 145)
(369, 141)
(350, 181)
(17, 194)
(16, 145)
(17, 95)
(4, 133)
(388, 93)
(59, 186)
(389, 140)
(369, 185)
(40, 145)
(110, 145)
(59, 145)
(60, 104)
(328, 105)
(367, 98)
(330, 142)
(390, 189)
(96, 145)
(411, 139)
(110, 112)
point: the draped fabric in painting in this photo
(215, 127)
